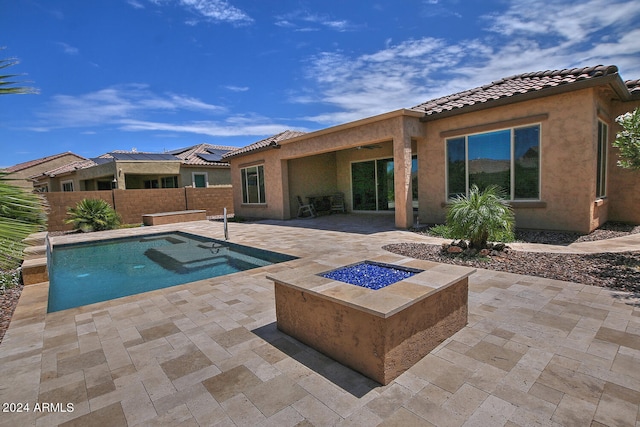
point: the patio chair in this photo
(302, 208)
(337, 202)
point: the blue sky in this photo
(162, 74)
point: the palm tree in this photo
(21, 213)
(93, 215)
(480, 216)
(5, 82)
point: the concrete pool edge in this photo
(379, 333)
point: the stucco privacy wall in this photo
(132, 204)
(568, 159)
(399, 126)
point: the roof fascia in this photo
(613, 80)
(360, 122)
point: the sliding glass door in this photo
(372, 185)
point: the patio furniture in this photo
(337, 202)
(302, 208)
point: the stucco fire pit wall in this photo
(379, 333)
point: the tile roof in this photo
(203, 154)
(518, 85)
(633, 86)
(69, 167)
(272, 141)
(31, 163)
(197, 155)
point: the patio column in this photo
(402, 179)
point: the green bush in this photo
(481, 216)
(9, 279)
(93, 215)
(628, 140)
(441, 230)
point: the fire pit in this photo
(378, 330)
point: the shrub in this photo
(93, 215)
(628, 140)
(481, 216)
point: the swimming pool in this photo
(86, 273)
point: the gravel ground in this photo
(617, 271)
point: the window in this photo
(601, 174)
(151, 183)
(253, 184)
(507, 158)
(170, 182)
(372, 185)
(199, 180)
(67, 185)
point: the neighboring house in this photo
(544, 137)
(197, 166)
(22, 172)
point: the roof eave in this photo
(273, 145)
(613, 80)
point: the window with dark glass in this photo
(507, 158)
(253, 190)
(601, 175)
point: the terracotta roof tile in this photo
(272, 141)
(31, 163)
(203, 154)
(517, 85)
(633, 86)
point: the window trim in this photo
(63, 183)
(262, 198)
(193, 179)
(602, 156)
(482, 129)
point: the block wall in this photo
(132, 204)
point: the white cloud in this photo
(527, 36)
(217, 11)
(116, 103)
(303, 21)
(135, 4)
(207, 10)
(68, 49)
(237, 88)
(230, 127)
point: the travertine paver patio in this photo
(535, 352)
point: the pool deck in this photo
(535, 351)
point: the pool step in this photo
(34, 267)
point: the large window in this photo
(601, 175)
(253, 184)
(508, 158)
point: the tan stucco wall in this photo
(568, 160)
(215, 176)
(568, 156)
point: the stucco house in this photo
(544, 137)
(196, 166)
(21, 173)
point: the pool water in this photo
(86, 273)
(371, 275)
